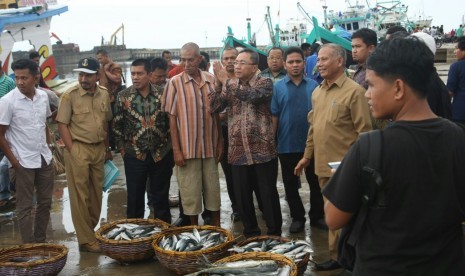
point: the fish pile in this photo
(295, 250)
(131, 231)
(28, 259)
(192, 241)
(250, 267)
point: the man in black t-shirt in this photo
(418, 232)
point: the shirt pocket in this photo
(338, 111)
(81, 114)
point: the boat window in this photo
(349, 27)
(356, 27)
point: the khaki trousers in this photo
(333, 235)
(33, 229)
(84, 173)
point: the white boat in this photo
(29, 23)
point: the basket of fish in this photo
(129, 240)
(251, 263)
(33, 259)
(182, 249)
(298, 250)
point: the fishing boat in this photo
(29, 21)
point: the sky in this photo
(159, 24)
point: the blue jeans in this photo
(159, 174)
(4, 179)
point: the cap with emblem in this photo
(88, 65)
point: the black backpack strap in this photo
(371, 181)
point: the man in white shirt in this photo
(25, 140)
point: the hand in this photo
(122, 152)
(303, 163)
(219, 72)
(179, 158)
(108, 156)
(16, 165)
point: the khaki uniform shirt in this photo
(86, 115)
(340, 113)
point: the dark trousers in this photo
(291, 184)
(159, 174)
(266, 175)
(227, 170)
(316, 198)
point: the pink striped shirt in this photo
(188, 101)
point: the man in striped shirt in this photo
(195, 135)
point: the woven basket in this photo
(301, 266)
(56, 259)
(187, 262)
(128, 251)
(280, 259)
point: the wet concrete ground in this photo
(61, 229)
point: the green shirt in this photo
(6, 84)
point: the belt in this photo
(91, 144)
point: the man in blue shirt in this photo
(310, 64)
(456, 83)
(291, 102)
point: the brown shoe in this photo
(92, 247)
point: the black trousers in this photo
(316, 198)
(266, 175)
(291, 184)
(227, 170)
(159, 174)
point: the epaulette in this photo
(102, 87)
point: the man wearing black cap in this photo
(83, 116)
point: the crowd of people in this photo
(305, 110)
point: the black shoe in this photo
(328, 265)
(319, 223)
(297, 226)
(181, 222)
(235, 216)
(344, 272)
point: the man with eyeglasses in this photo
(142, 134)
(275, 70)
(252, 149)
(195, 135)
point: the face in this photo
(244, 68)
(88, 81)
(158, 76)
(459, 53)
(25, 81)
(275, 60)
(36, 60)
(380, 95)
(228, 58)
(140, 78)
(360, 51)
(294, 65)
(102, 59)
(329, 65)
(190, 61)
(167, 57)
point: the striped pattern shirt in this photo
(188, 101)
(6, 84)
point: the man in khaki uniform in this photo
(340, 114)
(83, 116)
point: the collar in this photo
(250, 82)
(18, 95)
(288, 79)
(187, 78)
(339, 82)
(83, 92)
(268, 71)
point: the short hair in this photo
(305, 46)
(395, 29)
(292, 50)
(142, 62)
(338, 51)
(102, 52)
(165, 52)
(461, 43)
(158, 63)
(228, 48)
(205, 60)
(408, 59)
(253, 55)
(206, 56)
(26, 64)
(33, 55)
(368, 36)
(191, 46)
(276, 48)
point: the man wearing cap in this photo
(83, 116)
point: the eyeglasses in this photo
(274, 58)
(242, 63)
